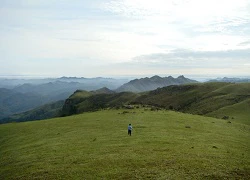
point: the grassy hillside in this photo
(239, 112)
(203, 99)
(81, 102)
(210, 99)
(163, 145)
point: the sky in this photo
(109, 38)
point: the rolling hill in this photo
(201, 98)
(164, 145)
(229, 101)
(82, 101)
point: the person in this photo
(129, 129)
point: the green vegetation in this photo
(80, 94)
(239, 112)
(209, 99)
(164, 145)
(78, 103)
(228, 101)
(43, 112)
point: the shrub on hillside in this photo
(171, 107)
(225, 117)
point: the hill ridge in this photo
(154, 82)
(215, 99)
(201, 99)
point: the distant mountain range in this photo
(232, 80)
(26, 94)
(84, 83)
(148, 84)
(20, 95)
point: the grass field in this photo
(163, 145)
(239, 112)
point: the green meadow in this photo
(95, 145)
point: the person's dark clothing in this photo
(129, 129)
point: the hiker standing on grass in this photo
(129, 129)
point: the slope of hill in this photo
(239, 112)
(163, 145)
(51, 110)
(103, 90)
(43, 112)
(147, 84)
(82, 101)
(14, 102)
(202, 99)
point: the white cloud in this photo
(181, 61)
(194, 24)
(95, 33)
(192, 11)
